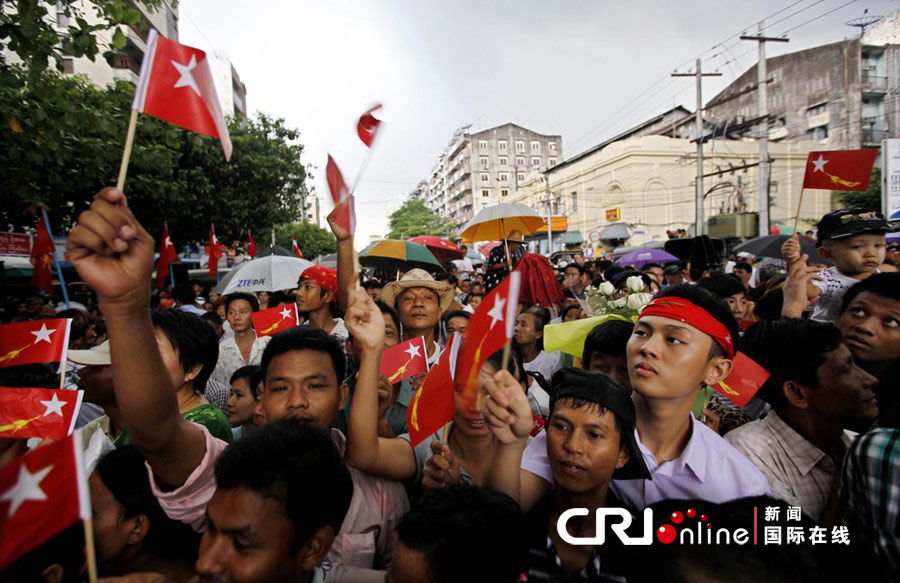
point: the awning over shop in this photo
(573, 238)
(614, 231)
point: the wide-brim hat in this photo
(96, 356)
(417, 278)
(599, 388)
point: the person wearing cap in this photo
(419, 301)
(317, 295)
(854, 240)
(589, 440)
(685, 338)
(243, 347)
(673, 274)
(498, 262)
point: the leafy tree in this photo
(29, 29)
(414, 219)
(61, 141)
(312, 239)
(870, 199)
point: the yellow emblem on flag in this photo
(18, 424)
(727, 389)
(12, 354)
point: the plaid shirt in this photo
(797, 471)
(870, 494)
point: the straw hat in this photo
(417, 278)
(97, 356)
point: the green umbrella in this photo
(397, 255)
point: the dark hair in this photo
(296, 464)
(648, 266)
(576, 266)
(211, 317)
(193, 339)
(280, 298)
(722, 284)
(607, 338)
(791, 349)
(713, 304)
(743, 265)
(562, 315)
(249, 372)
(372, 284)
(886, 285)
(389, 311)
(81, 321)
(250, 299)
(513, 364)
(124, 474)
(305, 338)
(769, 305)
(474, 295)
(456, 314)
(484, 526)
(541, 319)
(183, 294)
(29, 376)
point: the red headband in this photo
(324, 276)
(684, 311)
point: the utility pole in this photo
(765, 167)
(699, 219)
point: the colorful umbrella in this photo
(270, 273)
(442, 249)
(396, 255)
(495, 223)
(642, 257)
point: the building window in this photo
(535, 162)
(501, 145)
(520, 177)
(482, 144)
(520, 147)
(520, 161)
(819, 133)
(485, 177)
(504, 161)
(504, 177)
(485, 161)
(551, 146)
(485, 193)
(551, 162)
(535, 146)
(574, 202)
(504, 192)
(68, 65)
(817, 109)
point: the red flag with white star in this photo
(215, 252)
(490, 327)
(404, 360)
(38, 412)
(166, 256)
(34, 341)
(840, 169)
(296, 248)
(344, 203)
(274, 320)
(434, 404)
(745, 379)
(367, 127)
(41, 494)
(176, 84)
(251, 245)
(42, 258)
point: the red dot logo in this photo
(702, 518)
(666, 534)
(691, 513)
(677, 517)
(708, 525)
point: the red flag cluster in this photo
(490, 328)
(274, 320)
(41, 494)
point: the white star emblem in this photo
(412, 351)
(43, 335)
(187, 78)
(27, 487)
(54, 406)
(496, 312)
(215, 240)
(820, 164)
(167, 242)
(285, 313)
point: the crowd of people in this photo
(220, 453)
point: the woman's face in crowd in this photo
(469, 418)
(583, 446)
(526, 330)
(239, 315)
(574, 314)
(240, 403)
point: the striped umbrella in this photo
(396, 255)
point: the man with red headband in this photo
(317, 296)
(684, 339)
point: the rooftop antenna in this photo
(864, 21)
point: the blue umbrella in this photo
(642, 257)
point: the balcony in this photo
(872, 83)
(873, 137)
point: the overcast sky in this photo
(585, 69)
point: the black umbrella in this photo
(770, 246)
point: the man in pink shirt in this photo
(114, 255)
